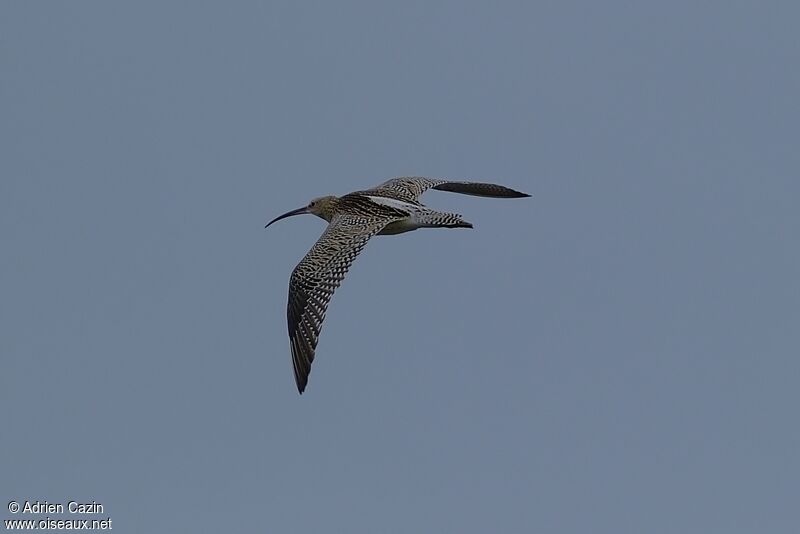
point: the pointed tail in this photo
(440, 219)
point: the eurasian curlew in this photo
(393, 207)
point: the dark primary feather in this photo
(480, 190)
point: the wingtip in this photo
(301, 381)
(301, 384)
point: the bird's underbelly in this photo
(418, 216)
(401, 226)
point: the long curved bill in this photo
(298, 211)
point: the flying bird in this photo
(392, 207)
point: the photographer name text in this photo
(73, 507)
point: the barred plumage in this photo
(390, 208)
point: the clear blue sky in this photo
(617, 354)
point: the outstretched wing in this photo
(410, 188)
(316, 277)
(407, 188)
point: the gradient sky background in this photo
(617, 354)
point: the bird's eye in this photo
(313, 203)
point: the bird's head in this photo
(323, 207)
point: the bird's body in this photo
(393, 207)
